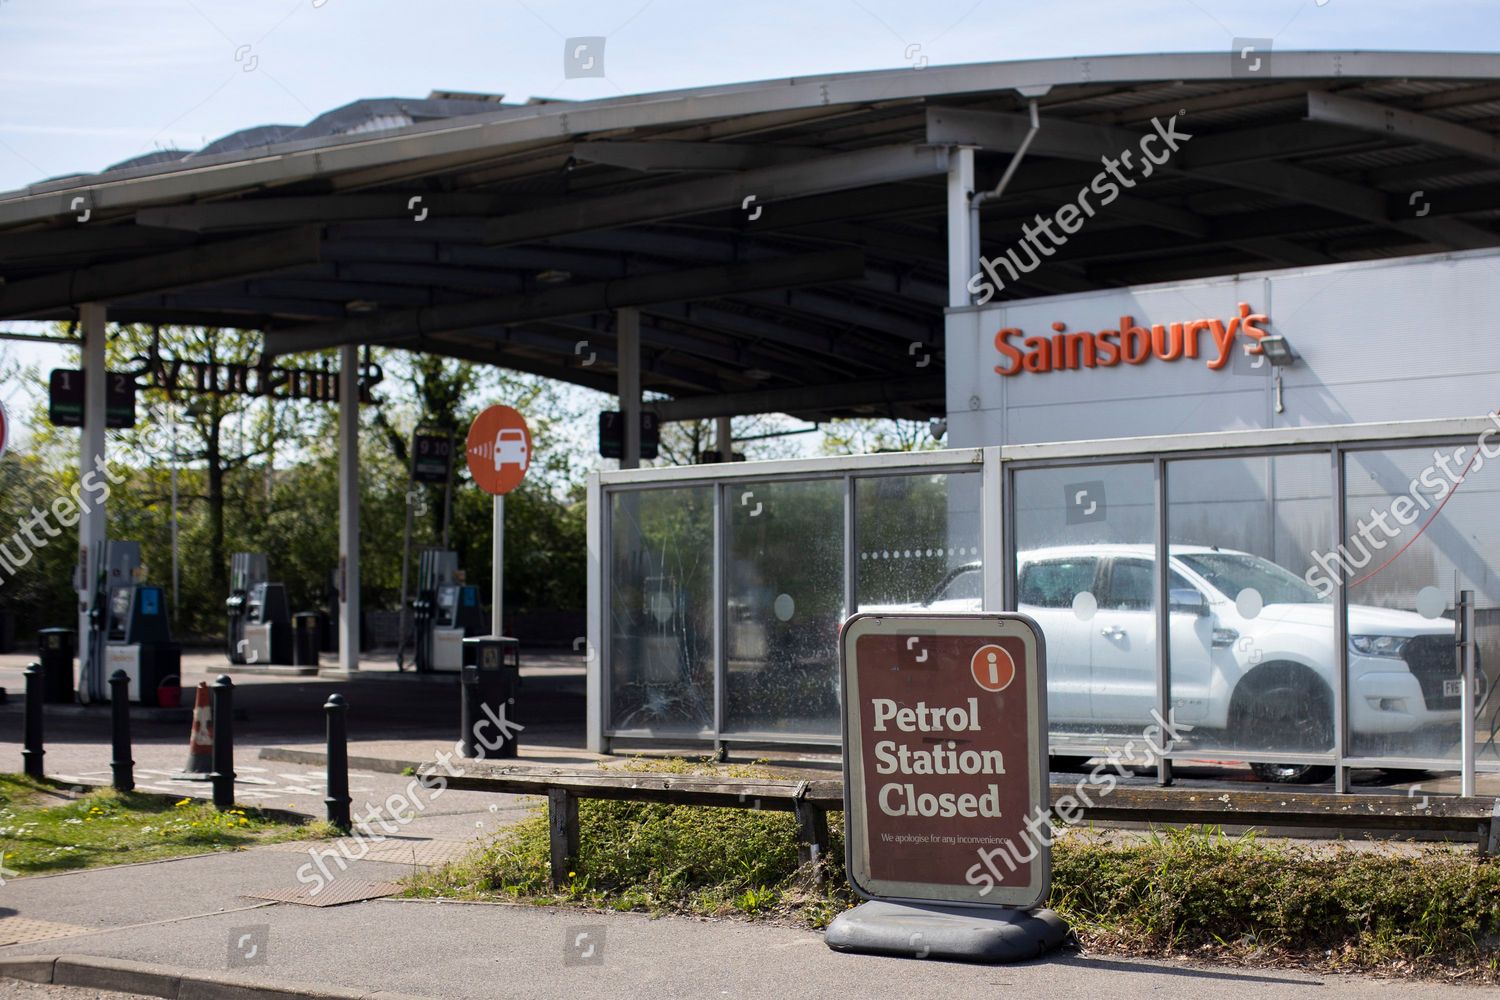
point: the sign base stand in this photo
(955, 933)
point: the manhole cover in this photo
(24, 930)
(335, 893)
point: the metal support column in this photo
(628, 350)
(349, 507)
(1163, 624)
(595, 642)
(1340, 627)
(724, 438)
(92, 527)
(1468, 649)
(963, 242)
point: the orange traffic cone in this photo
(201, 740)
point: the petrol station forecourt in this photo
(1164, 499)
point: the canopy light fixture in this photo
(1277, 350)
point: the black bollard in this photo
(31, 748)
(223, 773)
(119, 708)
(337, 801)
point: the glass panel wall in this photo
(1084, 542)
(1421, 526)
(785, 589)
(917, 539)
(661, 610)
(1252, 659)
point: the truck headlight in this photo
(1378, 645)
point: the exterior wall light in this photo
(1277, 351)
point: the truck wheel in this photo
(1292, 774)
(1283, 706)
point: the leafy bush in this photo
(1392, 908)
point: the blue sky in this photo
(88, 83)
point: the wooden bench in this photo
(810, 801)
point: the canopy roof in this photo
(785, 240)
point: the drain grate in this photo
(335, 893)
(25, 930)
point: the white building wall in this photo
(1405, 339)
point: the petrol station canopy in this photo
(786, 243)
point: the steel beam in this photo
(404, 207)
(1395, 123)
(802, 399)
(462, 348)
(1206, 158)
(574, 300)
(163, 272)
(667, 155)
(839, 172)
(82, 240)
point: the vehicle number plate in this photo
(1453, 687)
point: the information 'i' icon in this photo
(992, 667)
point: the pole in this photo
(349, 508)
(92, 526)
(1466, 657)
(31, 747)
(176, 575)
(223, 772)
(963, 241)
(337, 800)
(411, 489)
(724, 438)
(448, 494)
(497, 569)
(628, 360)
(119, 711)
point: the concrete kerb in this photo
(147, 979)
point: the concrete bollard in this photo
(119, 709)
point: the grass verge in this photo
(1188, 893)
(44, 828)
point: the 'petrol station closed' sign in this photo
(945, 758)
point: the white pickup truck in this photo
(1263, 681)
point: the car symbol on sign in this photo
(510, 449)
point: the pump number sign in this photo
(498, 449)
(945, 751)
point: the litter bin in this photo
(306, 638)
(489, 726)
(58, 647)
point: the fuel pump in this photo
(246, 569)
(128, 627)
(268, 625)
(445, 610)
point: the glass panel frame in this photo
(997, 522)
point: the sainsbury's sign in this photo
(1210, 340)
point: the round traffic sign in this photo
(498, 449)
